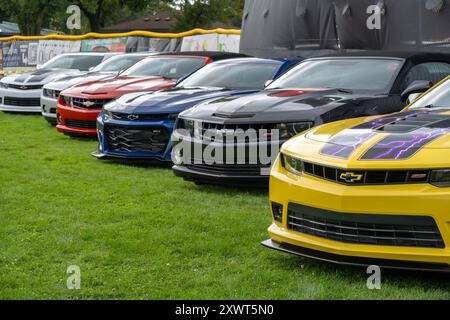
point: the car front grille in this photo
(81, 124)
(139, 117)
(261, 131)
(380, 230)
(366, 177)
(91, 104)
(230, 170)
(22, 102)
(25, 87)
(146, 140)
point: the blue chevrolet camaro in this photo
(139, 126)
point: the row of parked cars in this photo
(359, 181)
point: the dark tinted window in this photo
(372, 75)
(229, 76)
(118, 63)
(168, 67)
(79, 62)
(431, 71)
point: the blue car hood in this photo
(173, 100)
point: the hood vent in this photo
(234, 115)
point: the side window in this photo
(432, 71)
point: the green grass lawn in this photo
(142, 233)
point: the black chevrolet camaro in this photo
(317, 91)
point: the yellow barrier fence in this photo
(137, 33)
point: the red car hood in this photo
(113, 88)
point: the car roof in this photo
(249, 60)
(214, 55)
(414, 56)
(89, 53)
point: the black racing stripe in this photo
(409, 123)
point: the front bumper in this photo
(420, 200)
(126, 152)
(231, 173)
(76, 121)
(23, 101)
(210, 177)
(48, 108)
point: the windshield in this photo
(167, 67)
(437, 98)
(232, 76)
(355, 74)
(118, 63)
(77, 62)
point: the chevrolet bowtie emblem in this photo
(351, 177)
(133, 117)
(88, 104)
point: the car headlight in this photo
(4, 85)
(292, 165)
(440, 178)
(67, 100)
(289, 130)
(107, 115)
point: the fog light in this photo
(277, 211)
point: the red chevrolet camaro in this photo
(79, 106)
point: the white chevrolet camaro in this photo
(22, 92)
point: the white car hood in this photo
(39, 76)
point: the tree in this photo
(31, 16)
(203, 13)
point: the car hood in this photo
(173, 100)
(271, 106)
(416, 137)
(40, 76)
(69, 81)
(119, 86)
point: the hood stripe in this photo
(396, 146)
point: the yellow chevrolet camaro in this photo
(369, 191)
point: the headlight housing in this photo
(292, 164)
(289, 130)
(4, 85)
(67, 100)
(440, 178)
(187, 125)
(107, 115)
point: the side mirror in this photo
(413, 97)
(39, 66)
(417, 87)
(268, 83)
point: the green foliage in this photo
(203, 13)
(34, 15)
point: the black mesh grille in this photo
(381, 230)
(367, 177)
(22, 102)
(89, 103)
(149, 140)
(81, 124)
(230, 170)
(232, 128)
